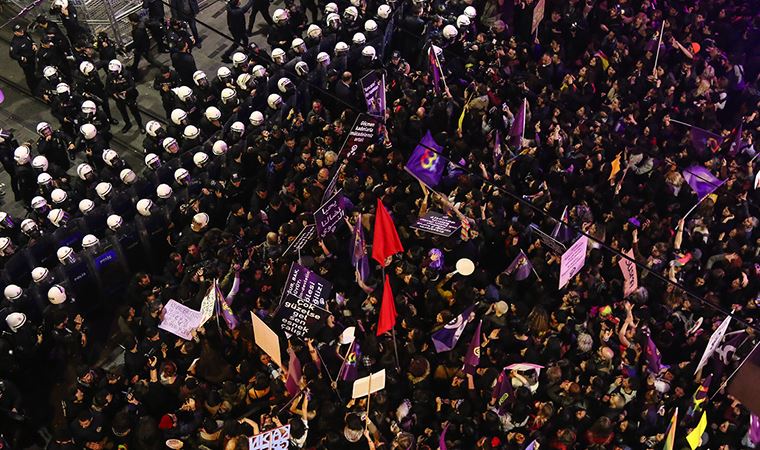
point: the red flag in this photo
(387, 318)
(385, 241)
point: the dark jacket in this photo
(179, 9)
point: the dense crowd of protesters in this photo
(243, 159)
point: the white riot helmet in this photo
(144, 206)
(351, 13)
(383, 11)
(152, 161)
(164, 191)
(13, 292)
(58, 196)
(29, 227)
(283, 84)
(15, 320)
(103, 189)
(191, 132)
(463, 21)
(49, 72)
(198, 75)
(237, 127)
(228, 95)
(370, 26)
(181, 175)
(88, 107)
(152, 128)
(86, 205)
(39, 274)
(40, 163)
(114, 222)
(39, 204)
(6, 246)
(280, 16)
(331, 8)
(58, 217)
(358, 39)
(278, 56)
(323, 58)
(219, 148)
(470, 12)
(333, 20)
(450, 32)
(314, 31)
(212, 113)
(223, 72)
(178, 115)
(62, 88)
(274, 101)
(65, 254)
(86, 67)
(88, 131)
(89, 241)
(302, 69)
(62, 4)
(44, 129)
(239, 58)
(170, 145)
(183, 93)
(22, 154)
(84, 171)
(200, 159)
(127, 176)
(256, 119)
(242, 80)
(200, 221)
(114, 66)
(297, 44)
(44, 178)
(259, 71)
(56, 294)
(110, 157)
(369, 52)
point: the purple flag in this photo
(224, 306)
(435, 69)
(701, 180)
(520, 266)
(724, 353)
(294, 373)
(654, 359)
(531, 446)
(497, 154)
(472, 358)
(754, 429)
(359, 251)
(562, 232)
(518, 128)
(737, 144)
(442, 438)
(703, 140)
(426, 164)
(503, 393)
(447, 337)
(350, 370)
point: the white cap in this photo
(302, 68)
(463, 21)
(323, 57)
(151, 159)
(89, 240)
(127, 176)
(143, 207)
(41, 126)
(27, 225)
(278, 55)
(56, 294)
(49, 71)
(219, 148)
(331, 8)
(114, 221)
(470, 12)
(279, 15)
(62, 88)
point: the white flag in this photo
(713, 343)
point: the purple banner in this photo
(373, 87)
(306, 285)
(330, 215)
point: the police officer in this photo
(68, 15)
(259, 6)
(52, 30)
(23, 50)
(89, 113)
(8, 144)
(281, 33)
(55, 145)
(121, 87)
(204, 91)
(50, 54)
(186, 10)
(92, 144)
(140, 45)
(156, 17)
(128, 237)
(65, 107)
(25, 181)
(155, 134)
(89, 85)
(236, 24)
(164, 83)
(184, 64)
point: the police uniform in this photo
(121, 87)
(23, 51)
(56, 149)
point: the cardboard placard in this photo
(266, 338)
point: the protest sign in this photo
(552, 244)
(303, 238)
(304, 284)
(538, 15)
(373, 87)
(180, 320)
(277, 439)
(362, 135)
(630, 274)
(330, 215)
(208, 303)
(266, 338)
(299, 317)
(573, 261)
(369, 384)
(437, 223)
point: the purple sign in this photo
(437, 223)
(303, 238)
(299, 317)
(330, 215)
(373, 87)
(306, 285)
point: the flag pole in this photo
(440, 67)
(725, 383)
(525, 120)
(659, 44)
(369, 397)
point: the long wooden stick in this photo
(659, 43)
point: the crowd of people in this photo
(618, 98)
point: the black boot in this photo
(127, 127)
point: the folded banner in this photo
(306, 285)
(426, 164)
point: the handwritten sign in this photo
(369, 384)
(437, 223)
(299, 317)
(330, 215)
(277, 439)
(630, 274)
(549, 242)
(573, 261)
(180, 320)
(303, 238)
(266, 339)
(304, 284)
(208, 303)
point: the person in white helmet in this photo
(204, 91)
(211, 121)
(236, 25)
(89, 84)
(54, 145)
(281, 33)
(164, 82)
(121, 88)
(24, 181)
